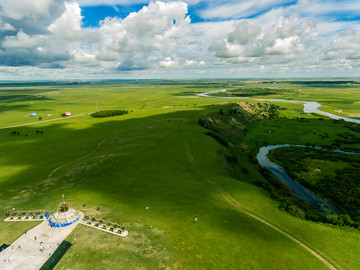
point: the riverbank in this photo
(309, 106)
(331, 174)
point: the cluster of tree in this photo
(205, 123)
(337, 121)
(279, 192)
(255, 91)
(343, 189)
(271, 109)
(302, 209)
(353, 126)
(218, 137)
(347, 138)
(108, 113)
(15, 133)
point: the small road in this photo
(239, 208)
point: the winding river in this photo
(309, 106)
(297, 189)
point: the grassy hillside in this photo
(158, 156)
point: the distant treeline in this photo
(43, 83)
(108, 113)
(322, 82)
(255, 91)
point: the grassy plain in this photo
(341, 99)
(124, 164)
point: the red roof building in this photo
(67, 113)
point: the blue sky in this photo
(60, 39)
(93, 14)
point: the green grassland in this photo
(158, 156)
(341, 99)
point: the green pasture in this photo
(157, 156)
(338, 99)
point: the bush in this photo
(295, 211)
(201, 122)
(108, 113)
(218, 137)
(231, 158)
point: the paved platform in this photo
(25, 254)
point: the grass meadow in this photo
(158, 156)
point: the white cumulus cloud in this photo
(20, 41)
(273, 36)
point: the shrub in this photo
(231, 158)
(218, 137)
(201, 122)
(295, 211)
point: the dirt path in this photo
(60, 167)
(25, 254)
(89, 154)
(238, 206)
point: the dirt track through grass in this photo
(238, 206)
(85, 156)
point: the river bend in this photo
(279, 172)
(309, 106)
